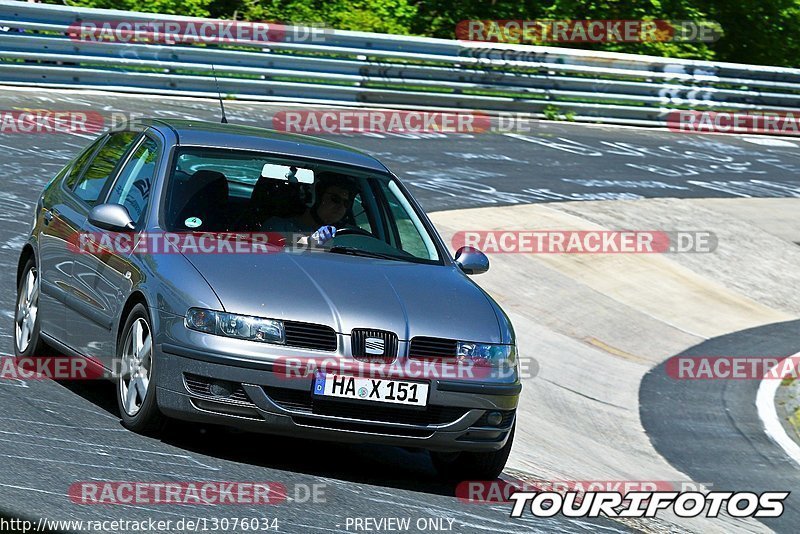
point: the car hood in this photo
(346, 292)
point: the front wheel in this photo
(473, 465)
(27, 330)
(136, 383)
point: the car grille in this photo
(292, 399)
(359, 345)
(362, 427)
(432, 347)
(310, 336)
(201, 385)
(226, 408)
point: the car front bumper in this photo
(255, 396)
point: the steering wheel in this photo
(353, 230)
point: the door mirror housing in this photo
(111, 217)
(471, 260)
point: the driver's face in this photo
(333, 204)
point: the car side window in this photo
(81, 162)
(411, 235)
(132, 188)
(91, 183)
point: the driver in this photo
(332, 201)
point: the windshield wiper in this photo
(353, 251)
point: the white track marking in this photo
(765, 141)
(765, 402)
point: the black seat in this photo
(206, 197)
(273, 198)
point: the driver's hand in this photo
(323, 234)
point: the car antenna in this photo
(216, 83)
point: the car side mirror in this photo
(111, 217)
(471, 260)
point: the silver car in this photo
(350, 322)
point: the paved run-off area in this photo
(597, 323)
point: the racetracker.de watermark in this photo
(587, 31)
(403, 122)
(67, 368)
(335, 121)
(434, 368)
(183, 242)
(71, 121)
(211, 493)
(48, 121)
(51, 368)
(749, 122)
(196, 31)
(733, 367)
(585, 241)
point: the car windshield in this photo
(218, 190)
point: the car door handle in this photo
(48, 216)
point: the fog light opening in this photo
(221, 388)
(494, 418)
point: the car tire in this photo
(460, 466)
(137, 377)
(27, 331)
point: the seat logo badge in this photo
(374, 345)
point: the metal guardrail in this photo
(367, 69)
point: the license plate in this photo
(371, 389)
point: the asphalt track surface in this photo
(55, 434)
(710, 429)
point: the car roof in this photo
(236, 136)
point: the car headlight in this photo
(487, 355)
(237, 326)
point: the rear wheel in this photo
(27, 332)
(136, 383)
(472, 465)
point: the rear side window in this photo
(81, 162)
(91, 183)
(132, 188)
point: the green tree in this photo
(386, 16)
(192, 8)
(757, 31)
(439, 18)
